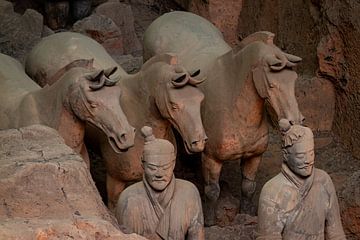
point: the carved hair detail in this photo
(156, 146)
(102, 77)
(293, 133)
(280, 60)
(181, 77)
(147, 133)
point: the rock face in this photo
(223, 16)
(103, 30)
(47, 192)
(325, 33)
(122, 16)
(350, 206)
(18, 33)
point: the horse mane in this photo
(262, 36)
(168, 58)
(279, 61)
(84, 63)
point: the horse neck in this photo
(140, 90)
(234, 89)
(53, 105)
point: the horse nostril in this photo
(303, 120)
(292, 122)
(134, 129)
(194, 143)
(123, 137)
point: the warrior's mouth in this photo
(306, 166)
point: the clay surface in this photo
(47, 192)
(239, 81)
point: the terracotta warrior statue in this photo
(161, 206)
(300, 202)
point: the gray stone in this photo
(46, 31)
(129, 63)
(122, 16)
(103, 30)
(6, 7)
(19, 33)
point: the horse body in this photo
(161, 95)
(44, 60)
(64, 106)
(239, 81)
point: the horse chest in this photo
(72, 130)
(242, 143)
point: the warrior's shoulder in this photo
(132, 192)
(322, 177)
(186, 186)
(275, 187)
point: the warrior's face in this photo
(158, 170)
(300, 157)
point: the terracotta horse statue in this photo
(78, 96)
(163, 94)
(239, 82)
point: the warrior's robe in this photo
(292, 208)
(174, 214)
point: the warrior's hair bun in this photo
(284, 125)
(147, 133)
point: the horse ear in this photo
(110, 71)
(94, 76)
(195, 73)
(259, 79)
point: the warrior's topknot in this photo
(156, 146)
(293, 133)
(284, 125)
(147, 133)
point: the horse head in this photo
(179, 100)
(95, 99)
(274, 80)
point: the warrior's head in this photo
(158, 160)
(298, 147)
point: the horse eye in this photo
(174, 106)
(272, 85)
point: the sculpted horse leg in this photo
(249, 170)
(211, 169)
(114, 187)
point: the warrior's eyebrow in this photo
(164, 165)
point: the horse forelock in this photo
(167, 58)
(82, 63)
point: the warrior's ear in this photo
(285, 154)
(142, 162)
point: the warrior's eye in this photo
(300, 155)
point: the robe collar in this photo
(302, 184)
(161, 203)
